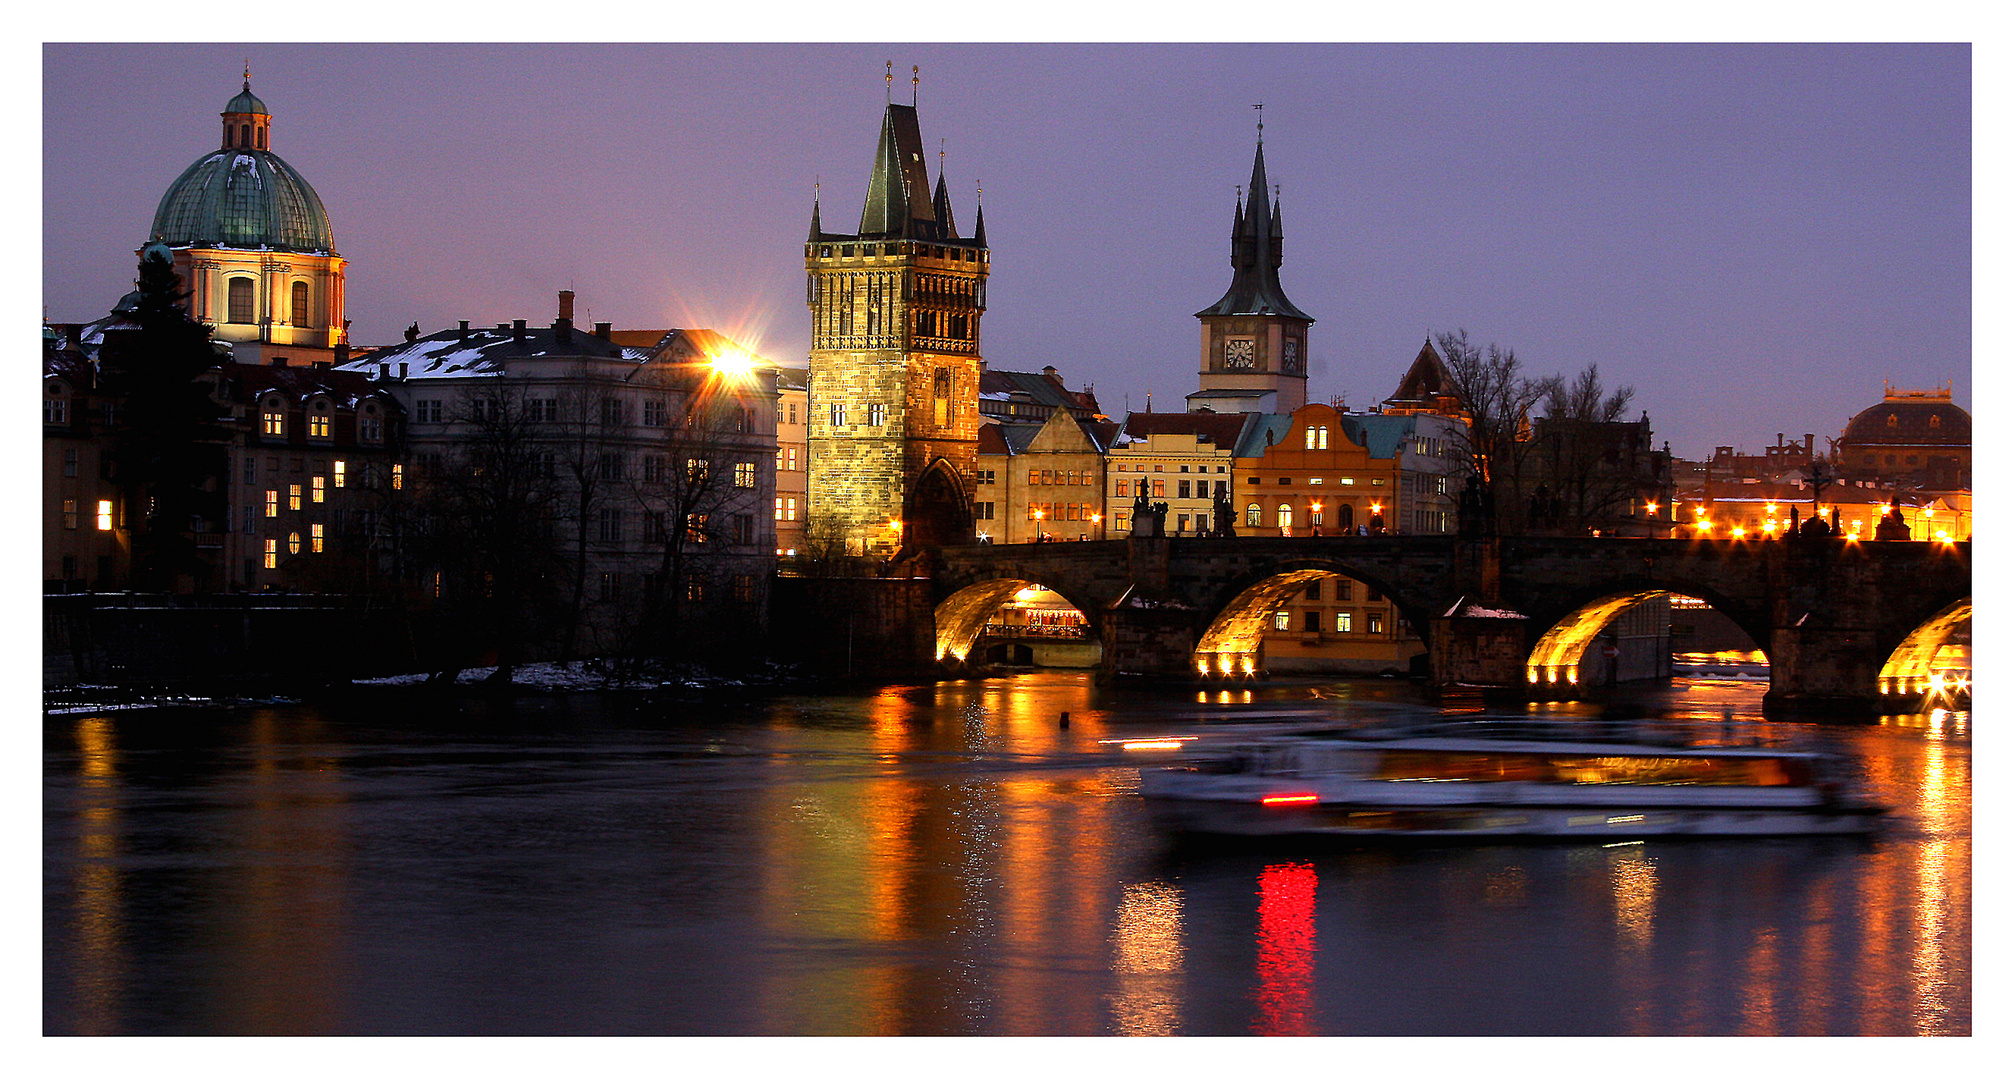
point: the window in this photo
(1374, 624)
(1159, 489)
(794, 412)
(55, 410)
(1252, 513)
(878, 414)
(104, 515)
(613, 413)
(273, 418)
(610, 586)
(239, 300)
(696, 528)
(1284, 517)
(745, 528)
(1314, 589)
(315, 489)
(1344, 589)
(983, 511)
(272, 503)
(69, 513)
(941, 395)
(791, 458)
(696, 470)
(318, 420)
(251, 513)
(251, 470)
(427, 411)
(609, 525)
(1182, 522)
(339, 473)
(1182, 489)
(272, 554)
(787, 508)
(1311, 622)
(839, 414)
(298, 311)
(370, 426)
(293, 496)
(745, 587)
(696, 589)
(293, 543)
(655, 413)
(398, 477)
(70, 462)
(1343, 622)
(656, 466)
(1280, 620)
(745, 474)
(609, 466)
(1119, 488)
(315, 538)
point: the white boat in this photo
(1480, 779)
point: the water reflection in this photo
(947, 859)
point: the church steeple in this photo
(1255, 253)
(899, 202)
(1254, 347)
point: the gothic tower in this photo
(895, 358)
(1255, 341)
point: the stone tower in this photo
(1255, 341)
(895, 359)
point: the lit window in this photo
(315, 538)
(1280, 620)
(780, 508)
(339, 474)
(1374, 624)
(318, 421)
(273, 421)
(272, 554)
(315, 489)
(1252, 512)
(1284, 517)
(1343, 622)
(272, 503)
(839, 414)
(293, 543)
(300, 310)
(398, 477)
(696, 528)
(70, 462)
(696, 470)
(878, 414)
(791, 458)
(745, 474)
(55, 410)
(69, 513)
(239, 302)
(293, 496)
(104, 515)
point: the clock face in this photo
(1290, 355)
(1238, 353)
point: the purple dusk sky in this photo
(1754, 237)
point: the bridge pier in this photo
(1468, 648)
(1823, 670)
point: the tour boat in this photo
(1479, 779)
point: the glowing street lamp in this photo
(1038, 525)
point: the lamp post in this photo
(1038, 525)
(1096, 519)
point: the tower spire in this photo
(888, 82)
(913, 86)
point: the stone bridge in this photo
(1844, 622)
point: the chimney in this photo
(567, 304)
(342, 353)
(402, 369)
(463, 333)
(517, 329)
(384, 370)
(602, 330)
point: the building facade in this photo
(1183, 459)
(1042, 483)
(793, 461)
(895, 358)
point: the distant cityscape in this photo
(629, 491)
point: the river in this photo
(948, 859)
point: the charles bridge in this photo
(1843, 622)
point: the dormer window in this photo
(56, 407)
(318, 420)
(370, 426)
(273, 418)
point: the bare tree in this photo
(1582, 399)
(1497, 399)
(1591, 467)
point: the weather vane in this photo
(888, 80)
(248, 71)
(1261, 109)
(913, 86)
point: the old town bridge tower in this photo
(895, 359)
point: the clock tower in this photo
(895, 359)
(1255, 341)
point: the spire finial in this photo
(913, 86)
(888, 81)
(248, 73)
(1261, 109)
(941, 159)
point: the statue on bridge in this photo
(1224, 520)
(1149, 519)
(1474, 513)
(1892, 526)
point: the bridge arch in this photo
(1926, 661)
(961, 617)
(1559, 654)
(1231, 642)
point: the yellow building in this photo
(1185, 459)
(793, 460)
(1042, 483)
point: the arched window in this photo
(941, 396)
(245, 135)
(1284, 517)
(318, 420)
(299, 312)
(370, 426)
(273, 417)
(240, 300)
(1252, 512)
(1345, 517)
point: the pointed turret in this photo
(979, 225)
(814, 236)
(899, 203)
(1255, 254)
(941, 206)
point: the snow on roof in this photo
(1466, 608)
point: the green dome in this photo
(247, 102)
(243, 199)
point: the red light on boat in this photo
(1299, 798)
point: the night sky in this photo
(1754, 237)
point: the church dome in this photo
(243, 195)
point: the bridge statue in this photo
(1149, 519)
(1224, 521)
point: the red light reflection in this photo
(1286, 940)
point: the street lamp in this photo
(1038, 525)
(1315, 518)
(1095, 519)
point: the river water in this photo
(946, 859)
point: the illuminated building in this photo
(254, 247)
(793, 460)
(1042, 481)
(1915, 439)
(895, 358)
(1184, 459)
(639, 451)
(1254, 348)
